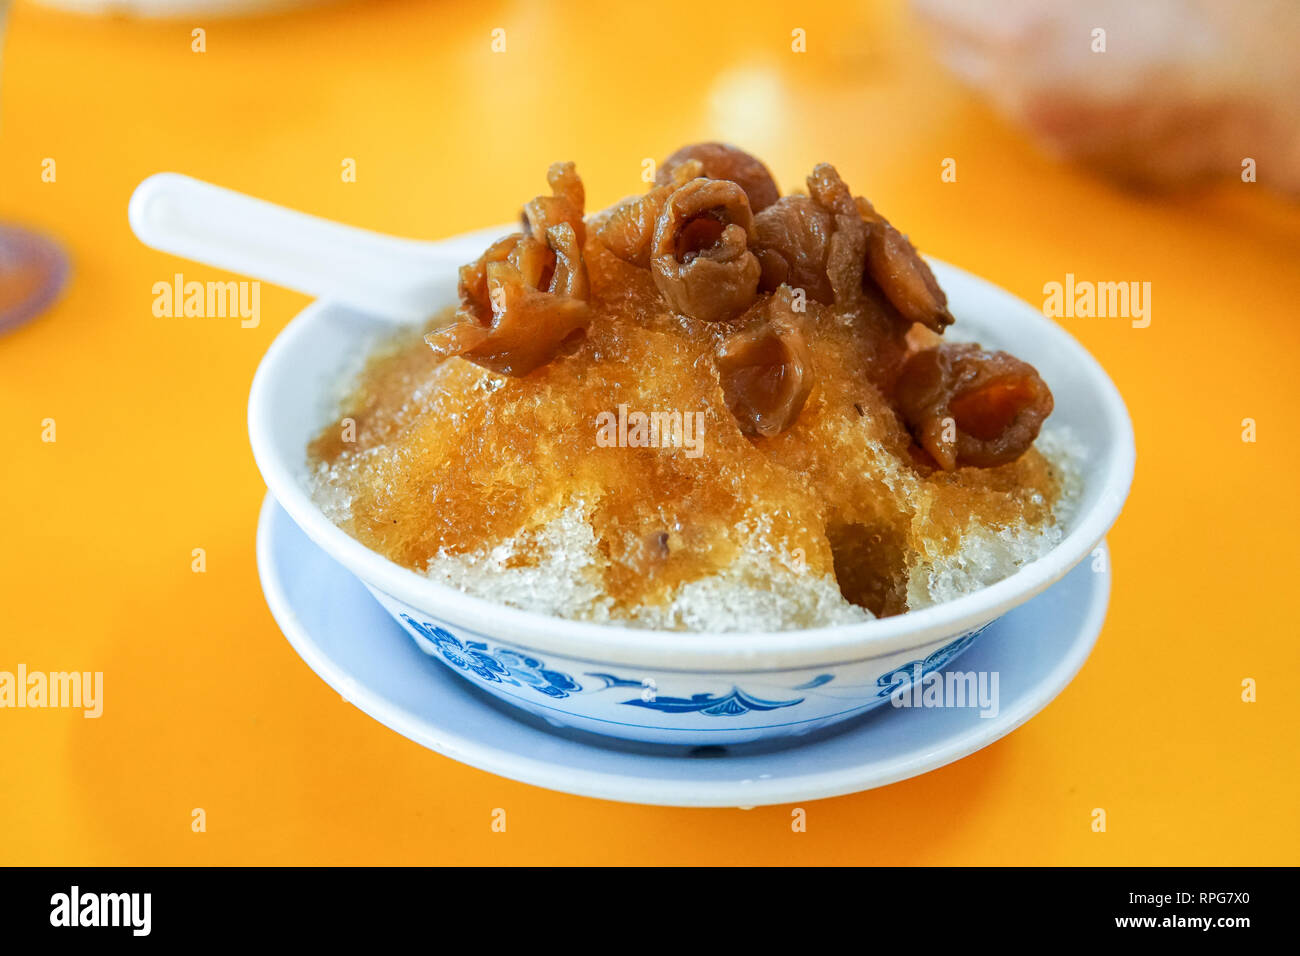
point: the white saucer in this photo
(352, 643)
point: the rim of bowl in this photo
(748, 650)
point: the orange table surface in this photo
(206, 705)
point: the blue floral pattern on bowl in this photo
(725, 713)
(500, 665)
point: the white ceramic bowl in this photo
(679, 687)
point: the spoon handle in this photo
(397, 279)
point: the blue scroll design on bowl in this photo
(726, 705)
(901, 677)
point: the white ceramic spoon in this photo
(402, 280)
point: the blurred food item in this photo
(33, 271)
(1172, 91)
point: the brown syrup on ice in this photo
(446, 456)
